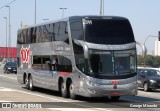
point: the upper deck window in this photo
(76, 27)
(108, 31)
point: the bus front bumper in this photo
(109, 90)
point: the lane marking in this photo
(5, 101)
(8, 77)
(5, 89)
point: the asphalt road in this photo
(12, 91)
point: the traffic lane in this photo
(8, 74)
(152, 96)
(152, 93)
(9, 81)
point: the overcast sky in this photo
(144, 15)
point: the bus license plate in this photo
(115, 93)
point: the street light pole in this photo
(148, 37)
(101, 7)
(6, 37)
(63, 11)
(9, 34)
(35, 12)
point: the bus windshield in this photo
(111, 63)
(108, 31)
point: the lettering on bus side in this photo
(61, 48)
(58, 48)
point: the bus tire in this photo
(71, 91)
(63, 89)
(115, 98)
(30, 83)
(26, 82)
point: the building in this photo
(6, 52)
(157, 46)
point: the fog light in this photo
(91, 91)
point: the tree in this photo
(150, 61)
(140, 60)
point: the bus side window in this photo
(48, 65)
(39, 34)
(77, 30)
(45, 62)
(29, 36)
(24, 33)
(53, 65)
(50, 31)
(56, 31)
(34, 34)
(20, 37)
(64, 64)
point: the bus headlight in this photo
(90, 83)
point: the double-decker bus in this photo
(91, 56)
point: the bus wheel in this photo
(115, 98)
(30, 82)
(26, 82)
(63, 89)
(71, 91)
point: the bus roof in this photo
(78, 17)
(97, 17)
